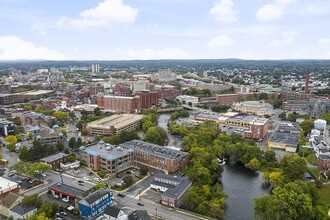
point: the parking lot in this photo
(152, 195)
(118, 179)
(23, 181)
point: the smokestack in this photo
(307, 82)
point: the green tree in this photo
(326, 117)
(282, 115)
(270, 156)
(28, 107)
(263, 96)
(156, 135)
(254, 164)
(36, 170)
(307, 126)
(99, 186)
(62, 116)
(80, 125)
(19, 137)
(144, 170)
(12, 139)
(30, 135)
(128, 180)
(79, 142)
(18, 129)
(33, 200)
(59, 147)
(292, 201)
(294, 167)
(23, 154)
(72, 142)
(276, 178)
(72, 115)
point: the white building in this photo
(320, 124)
(259, 108)
(185, 99)
(95, 68)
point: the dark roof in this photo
(154, 149)
(285, 138)
(112, 211)
(66, 189)
(22, 210)
(324, 157)
(179, 190)
(9, 199)
(168, 186)
(96, 195)
(54, 157)
(139, 215)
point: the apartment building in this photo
(147, 98)
(259, 108)
(6, 127)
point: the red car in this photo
(137, 176)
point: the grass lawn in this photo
(324, 193)
(314, 172)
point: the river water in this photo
(240, 184)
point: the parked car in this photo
(80, 182)
(63, 213)
(86, 178)
(118, 176)
(137, 176)
(121, 195)
(97, 179)
(65, 199)
(11, 174)
(56, 196)
(140, 204)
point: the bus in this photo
(3, 161)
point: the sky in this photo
(164, 29)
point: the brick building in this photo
(6, 99)
(295, 105)
(48, 136)
(119, 103)
(296, 95)
(147, 98)
(94, 90)
(227, 99)
(323, 162)
(162, 158)
(7, 186)
(55, 160)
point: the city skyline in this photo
(160, 29)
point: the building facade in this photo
(156, 156)
(51, 136)
(259, 108)
(105, 157)
(95, 203)
(6, 127)
(147, 98)
(113, 124)
(119, 103)
(55, 160)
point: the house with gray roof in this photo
(22, 212)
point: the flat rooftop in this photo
(36, 92)
(53, 157)
(284, 138)
(117, 121)
(119, 97)
(5, 184)
(107, 151)
(154, 149)
(66, 189)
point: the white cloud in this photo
(324, 41)
(42, 30)
(285, 2)
(105, 14)
(151, 54)
(269, 12)
(273, 11)
(219, 41)
(288, 37)
(223, 12)
(317, 10)
(13, 48)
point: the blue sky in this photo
(164, 29)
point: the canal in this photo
(240, 184)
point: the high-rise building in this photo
(95, 68)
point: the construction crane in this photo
(268, 145)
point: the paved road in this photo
(326, 135)
(152, 209)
